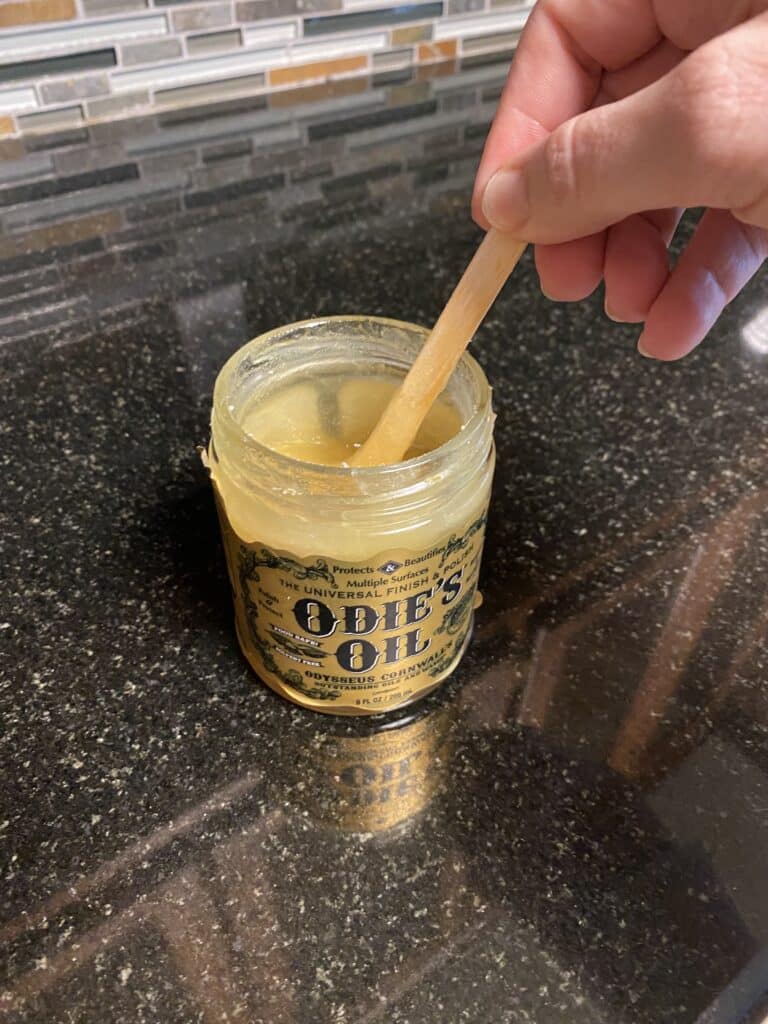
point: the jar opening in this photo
(342, 345)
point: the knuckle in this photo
(717, 107)
(562, 159)
(705, 107)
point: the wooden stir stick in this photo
(496, 258)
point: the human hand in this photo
(616, 114)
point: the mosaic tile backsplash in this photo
(99, 220)
(65, 63)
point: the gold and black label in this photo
(355, 638)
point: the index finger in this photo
(557, 70)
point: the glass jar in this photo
(354, 588)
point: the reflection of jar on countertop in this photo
(377, 773)
(354, 588)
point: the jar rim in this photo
(232, 426)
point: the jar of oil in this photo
(354, 588)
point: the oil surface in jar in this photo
(325, 420)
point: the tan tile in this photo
(413, 92)
(441, 69)
(322, 91)
(7, 127)
(27, 12)
(11, 149)
(437, 51)
(62, 234)
(411, 34)
(320, 69)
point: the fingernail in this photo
(642, 349)
(505, 200)
(612, 316)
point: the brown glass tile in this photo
(441, 69)
(12, 149)
(319, 69)
(412, 92)
(321, 91)
(437, 51)
(411, 34)
(7, 126)
(29, 12)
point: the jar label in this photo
(355, 638)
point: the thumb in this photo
(675, 143)
(512, 133)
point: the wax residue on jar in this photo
(326, 419)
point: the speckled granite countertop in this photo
(576, 826)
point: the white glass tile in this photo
(330, 47)
(230, 65)
(17, 99)
(41, 42)
(280, 32)
(481, 24)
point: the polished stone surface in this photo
(574, 828)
